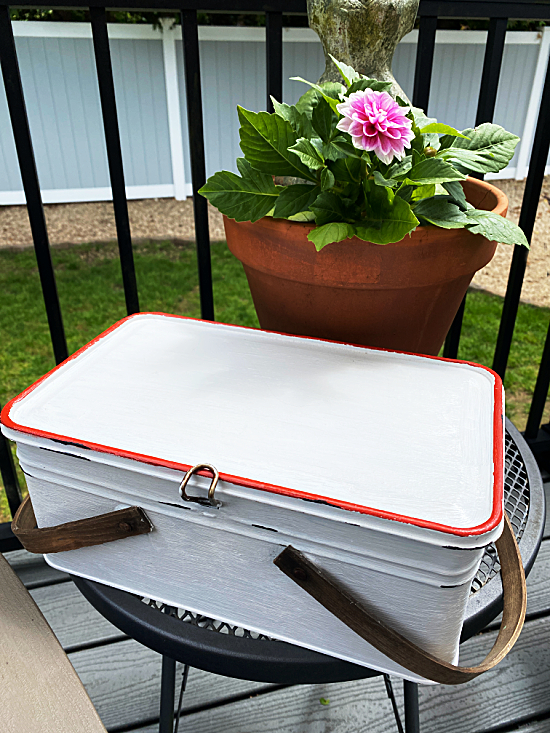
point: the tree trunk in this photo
(362, 34)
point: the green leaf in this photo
(333, 89)
(456, 192)
(441, 212)
(495, 227)
(323, 120)
(244, 199)
(418, 144)
(331, 151)
(299, 121)
(433, 170)
(308, 154)
(423, 192)
(441, 129)
(405, 192)
(324, 93)
(347, 148)
(487, 148)
(294, 199)
(349, 75)
(400, 168)
(303, 216)
(388, 220)
(328, 207)
(265, 140)
(336, 231)
(245, 169)
(307, 101)
(361, 84)
(381, 181)
(445, 142)
(420, 120)
(346, 169)
(327, 179)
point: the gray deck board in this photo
(33, 570)
(517, 689)
(354, 707)
(73, 619)
(538, 585)
(123, 681)
(538, 582)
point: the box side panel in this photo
(231, 577)
(336, 533)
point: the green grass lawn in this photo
(92, 299)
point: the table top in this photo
(216, 647)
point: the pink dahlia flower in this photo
(376, 122)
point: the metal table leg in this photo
(167, 695)
(412, 716)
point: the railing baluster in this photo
(492, 65)
(114, 155)
(191, 60)
(540, 394)
(274, 57)
(29, 175)
(533, 185)
(424, 61)
(9, 475)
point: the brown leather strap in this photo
(397, 647)
(82, 533)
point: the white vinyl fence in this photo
(59, 82)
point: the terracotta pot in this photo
(400, 296)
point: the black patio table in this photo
(213, 646)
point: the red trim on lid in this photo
(498, 435)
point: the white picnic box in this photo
(384, 468)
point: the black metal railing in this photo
(497, 11)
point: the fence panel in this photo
(65, 114)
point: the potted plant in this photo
(354, 216)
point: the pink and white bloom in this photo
(376, 122)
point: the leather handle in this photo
(402, 651)
(82, 533)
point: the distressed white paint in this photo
(397, 432)
(209, 563)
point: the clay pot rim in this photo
(500, 209)
(281, 248)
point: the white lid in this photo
(410, 438)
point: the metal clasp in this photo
(197, 499)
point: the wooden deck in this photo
(123, 677)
